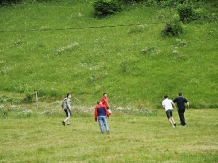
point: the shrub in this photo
(168, 3)
(213, 2)
(2, 2)
(132, 1)
(200, 14)
(173, 29)
(185, 12)
(151, 2)
(106, 7)
(29, 97)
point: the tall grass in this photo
(53, 48)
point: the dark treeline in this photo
(4, 2)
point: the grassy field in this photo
(59, 47)
(40, 137)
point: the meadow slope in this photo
(59, 47)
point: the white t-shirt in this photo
(167, 103)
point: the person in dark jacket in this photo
(181, 107)
(101, 113)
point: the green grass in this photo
(133, 64)
(42, 138)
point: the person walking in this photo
(181, 107)
(100, 114)
(104, 100)
(168, 104)
(66, 105)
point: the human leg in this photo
(169, 116)
(105, 123)
(100, 122)
(68, 115)
(174, 123)
(171, 122)
(67, 119)
(181, 116)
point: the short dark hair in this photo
(165, 96)
(68, 94)
(98, 102)
(104, 93)
(180, 94)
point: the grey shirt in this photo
(68, 104)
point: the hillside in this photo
(59, 47)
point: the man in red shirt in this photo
(100, 114)
(104, 100)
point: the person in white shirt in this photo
(168, 106)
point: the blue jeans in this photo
(102, 120)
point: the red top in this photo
(101, 109)
(105, 101)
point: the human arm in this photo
(173, 104)
(187, 105)
(107, 112)
(163, 106)
(95, 113)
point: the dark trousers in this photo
(181, 116)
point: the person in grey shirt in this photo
(67, 108)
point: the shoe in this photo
(174, 124)
(108, 132)
(68, 124)
(63, 123)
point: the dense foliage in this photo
(185, 12)
(106, 7)
(9, 1)
(173, 28)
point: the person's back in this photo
(101, 110)
(180, 102)
(167, 104)
(64, 104)
(100, 114)
(181, 107)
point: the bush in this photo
(28, 98)
(214, 2)
(106, 7)
(171, 2)
(2, 2)
(173, 29)
(132, 1)
(185, 12)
